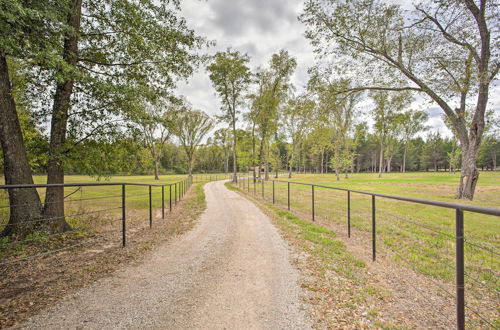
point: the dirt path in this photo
(231, 271)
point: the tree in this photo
(385, 114)
(273, 90)
(99, 58)
(295, 122)
(155, 127)
(230, 77)
(190, 127)
(222, 138)
(433, 152)
(361, 144)
(27, 33)
(454, 158)
(338, 111)
(412, 122)
(447, 50)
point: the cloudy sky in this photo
(259, 28)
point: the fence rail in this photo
(249, 184)
(97, 208)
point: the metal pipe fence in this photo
(199, 178)
(98, 211)
(437, 249)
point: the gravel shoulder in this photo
(231, 271)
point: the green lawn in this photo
(97, 210)
(137, 197)
(431, 185)
(90, 207)
(422, 237)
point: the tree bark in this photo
(469, 174)
(261, 155)
(235, 161)
(266, 168)
(54, 198)
(381, 161)
(25, 204)
(157, 177)
(190, 166)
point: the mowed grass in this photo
(105, 202)
(420, 236)
(97, 210)
(137, 197)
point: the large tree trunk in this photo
(469, 174)
(54, 198)
(26, 206)
(157, 170)
(191, 165)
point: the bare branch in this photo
(450, 37)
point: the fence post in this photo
(348, 213)
(163, 202)
(374, 231)
(150, 208)
(170, 197)
(254, 186)
(459, 224)
(273, 191)
(175, 193)
(288, 196)
(312, 191)
(123, 216)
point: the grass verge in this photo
(339, 291)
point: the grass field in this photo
(97, 210)
(137, 197)
(421, 237)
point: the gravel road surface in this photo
(232, 271)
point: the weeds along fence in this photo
(453, 246)
(96, 212)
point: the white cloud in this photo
(261, 28)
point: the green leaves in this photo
(230, 77)
(191, 126)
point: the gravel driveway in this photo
(232, 271)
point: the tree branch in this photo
(450, 37)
